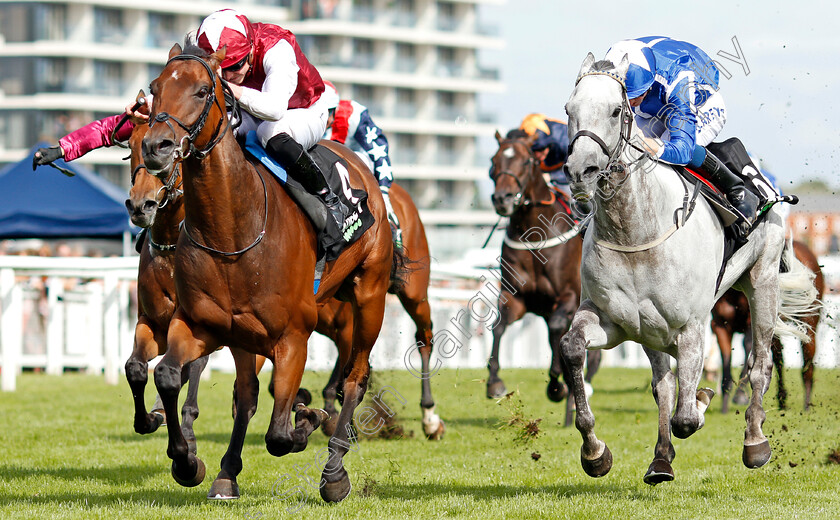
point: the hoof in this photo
(437, 434)
(496, 390)
(556, 390)
(336, 491)
(193, 481)
(598, 467)
(328, 426)
(150, 423)
(704, 397)
(756, 455)
(162, 415)
(223, 489)
(303, 397)
(658, 472)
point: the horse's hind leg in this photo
(763, 308)
(344, 342)
(189, 411)
(247, 391)
(587, 329)
(724, 339)
(691, 403)
(368, 312)
(809, 349)
(779, 363)
(664, 392)
(740, 396)
(146, 347)
(420, 312)
(511, 309)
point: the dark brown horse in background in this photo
(335, 317)
(244, 270)
(540, 260)
(158, 210)
(731, 314)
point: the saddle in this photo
(331, 240)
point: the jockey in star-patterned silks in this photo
(350, 124)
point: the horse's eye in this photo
(202, 92)
(616, 112)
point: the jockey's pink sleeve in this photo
(92, 136)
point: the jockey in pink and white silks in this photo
(673, 87)
(350, 124)
(280, 91)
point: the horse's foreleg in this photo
(189, 411)
(724, 339)
(511, 309)
(691, 403)
(289, 362)
(420, 312)
(146, 346)
(184, 345)
(664, 392)
(587, 329)
(763, 309)
(247, 391)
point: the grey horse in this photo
(651, 260)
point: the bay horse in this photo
(335, 317)
(540, 262)
(731, 314)
(244, 271)
(160, 210)
(650, 269)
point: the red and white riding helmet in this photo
(227, 28)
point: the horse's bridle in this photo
(193, 130)
(520, 199)
(613, 163)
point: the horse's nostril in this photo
(149, 205)
(590, 170)
(165, 146)
(128, 205)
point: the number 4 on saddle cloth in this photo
(331, 240)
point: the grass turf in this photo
(69, 451)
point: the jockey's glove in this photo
(46, 156)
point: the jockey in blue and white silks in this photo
(551, 146)
(350, 124)
(673, 88)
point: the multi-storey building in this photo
(414, 63)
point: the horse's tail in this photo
(797, 296)
(401, 267)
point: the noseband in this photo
(520, 199)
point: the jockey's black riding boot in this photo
(742, 199)
(300, 165)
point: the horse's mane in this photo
(516, 133)
(191, 48)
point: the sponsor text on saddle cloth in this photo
(331, 241)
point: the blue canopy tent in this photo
(47, 204)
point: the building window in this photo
(163, 32)
(363, 11)
(446, 19)
(406, 60)
(406, 105)
(363, 56)
(317, 50)
(446, 155)
(16, 23)
(15, 128)
(108, 26)
(447, 65)
(17, 76)
(447, 110)
(50, 22)
(403, 148)
(404, 13)
(107, 78)
(50, 74)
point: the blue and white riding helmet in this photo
(640, 73)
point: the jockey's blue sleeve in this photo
(373, 141)
(679, 119)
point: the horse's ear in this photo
(588, 61)
(220, 54)
(499, 137)
(623, 65)
(531, 139)
(174, 51)
(140, 95)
